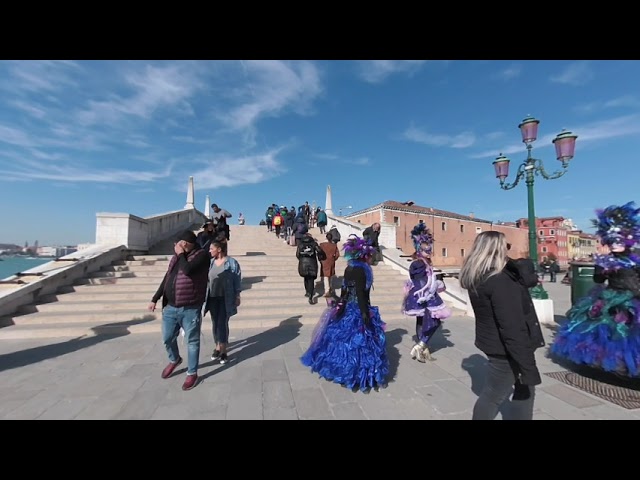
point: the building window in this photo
(396, 220)
(544, 249)
(478, 229)
(552, 232)
(461, 228)
(444, 252)
(444, 226)
(462, 252)
(541, 232)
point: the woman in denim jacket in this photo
(223, 296)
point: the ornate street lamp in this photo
(565, 143)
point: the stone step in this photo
(276, 275)
(101, 295)
(278, 266)
(241, 320)
(290, 281)
(249, 306)
(112, 301)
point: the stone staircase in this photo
(113, 301)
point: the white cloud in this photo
(271, 89)
(376, 71)
(40, 75)
(362, 161)
(153, 88)
(460, 140)
(511, 72)
(326, 156)
(601, 130)
(231, 171)
(625, 101)
(14, 136)
(31, 109)
(576, 73)
(29, 169)
(495, 135)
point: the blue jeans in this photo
(220, 319)
(173, 318)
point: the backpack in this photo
(277, 220)
(307, 250)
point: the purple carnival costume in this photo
(348, 345)
(421, 299)
(603, 328)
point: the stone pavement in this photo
(104, 377)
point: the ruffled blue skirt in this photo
(602, 331)
(345, 351)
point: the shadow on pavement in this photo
(257, 344)
(104, 332)
(394, 337)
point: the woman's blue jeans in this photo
(220, 320)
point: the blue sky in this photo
(80, 137)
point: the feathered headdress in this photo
(618, 225)
(421, 234)
(356, 248)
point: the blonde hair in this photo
(488, 255)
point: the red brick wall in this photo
(453, 238)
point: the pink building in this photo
(552, 238)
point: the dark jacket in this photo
(335, 235)
(185, 283)
(370, 234)
(506, 320)
(300, 228)
(231, 279)
(308, 265)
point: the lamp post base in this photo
(538, 292)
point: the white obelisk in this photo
(207, 207)
(190, 196)
(328, 208)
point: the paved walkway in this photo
(119, 378)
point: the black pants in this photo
(500, 381)
(309, 285)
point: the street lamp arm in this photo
(539, 169)
(519, 176)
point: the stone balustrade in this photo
(137, 233)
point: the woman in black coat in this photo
(308, 253)
(507, 327)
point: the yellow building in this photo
(573, 244)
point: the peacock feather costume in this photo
(603, 328)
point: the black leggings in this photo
(426, 329)
(309, 285)
(500, 382)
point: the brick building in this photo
(453, 233)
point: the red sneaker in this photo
(168, 370)
(190, 382)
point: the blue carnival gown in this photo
(348, 345)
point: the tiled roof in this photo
(403, 207)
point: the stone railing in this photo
(136, 233)
(45, 279)
(387, 238)
(117, 235)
